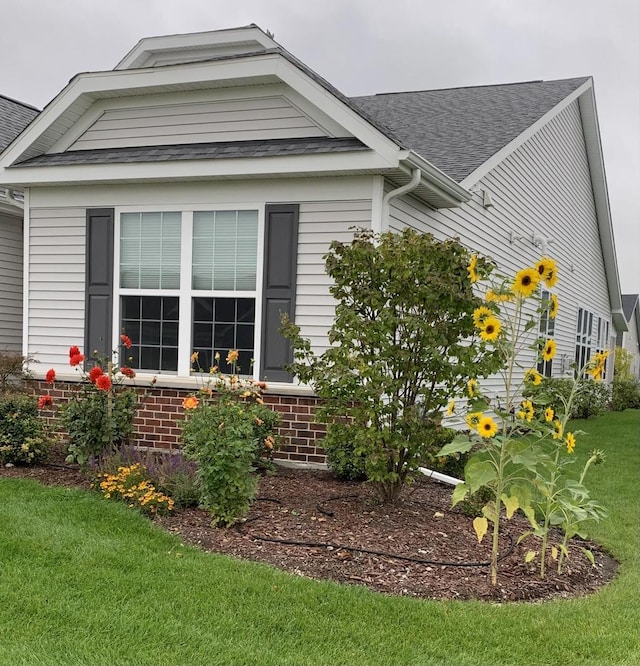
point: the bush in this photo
(591, 398)
(342, 458)
(12, 371)
(625, 394)
(22, 439)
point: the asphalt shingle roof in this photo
(14, 117)
(628, 304)
(458, 129)
(199, 151)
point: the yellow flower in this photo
(497, 296)
(213, 369)
(597, 365)
(553, 306)
(558, 429)
(190, 402)
(548, 271)
(570, 441)
(450, 407)
(487, 427)
(194, 357)
(527, 411)
(232, 356)
(473, 273)
(533, 376)
(549, 350)
(480, 315)
(549, 414)
(526, 282)
(269, 442)
(491, 329)
(473, 419)
(473, 388)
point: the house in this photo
(187, 198)
(14, 117)
(630, 339)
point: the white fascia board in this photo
(513, 145)
(281, 165)
(435, 177)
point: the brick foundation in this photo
(158, 422)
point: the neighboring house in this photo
(630, 340)
(188, 196)
(14, 117)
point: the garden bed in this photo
(342, 519)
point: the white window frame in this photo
(546, 334)
(598, 340)
(185, 293)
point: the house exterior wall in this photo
(543, 187)
(631, 343)
(11, 256)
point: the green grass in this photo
(87, 581)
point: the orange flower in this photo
(190, 402)
(232, 356)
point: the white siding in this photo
(10, 283)
(198, 122)
(543, 187)
(56, 284)
(631, 343)
(321, 223)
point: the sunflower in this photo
(558, 429)
(526, 411)
(526, 282)
(487, 427)
(533, 376)
(553, 307)
(471, 269)
(596, 366)
(549, 414)
(548, 271)
(570, 441)
(549, 350)
(450, 407)
(473, 388)
(490, 329)
(497, 296)
(473, 419)
(480, 315)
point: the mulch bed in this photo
(341, 519)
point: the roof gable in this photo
(14, 117)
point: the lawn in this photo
(87, 581)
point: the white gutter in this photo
(438, 476)
(411, 185)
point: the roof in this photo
(629, 302)
(458, 129)
(199, 151)
(14, 117)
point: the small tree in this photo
(402, 342)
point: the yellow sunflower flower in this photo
(527, 411)
(480, 315)
(596, 366)
(473, 273)
(570, 441)
(548, 271)
(473, 419)
(490, 329)
(549, 350)
(450, 407)
(487, 427)
(473, 388)
(549, 414)
(533, 376)
(553, 306)
(497, 296)
(526, 282)
(558, 429)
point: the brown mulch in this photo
(417, 547)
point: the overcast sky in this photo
(369, 46)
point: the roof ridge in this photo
(17, 101)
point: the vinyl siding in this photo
(198, 122)
(543, 187)
(10, 283)
(56, 285)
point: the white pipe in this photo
(414, 182)
(438, 476)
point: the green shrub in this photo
(342, 458)
(625, 394)
(22, 439)
(622, 364)
(13, 372)
(591, 397)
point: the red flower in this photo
(76, 359)
(126, 341)
(50, 377)
(73, 351)
(95, 373)
(127, 372)
(45, 401)
(103, 382)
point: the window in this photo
(547, 330)
(592, 335)
(188, 282)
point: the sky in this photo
(370, 46)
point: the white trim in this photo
(377, 206)
(25, 271)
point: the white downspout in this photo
(415, 181)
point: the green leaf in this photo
(479, 473)
(589, 555)
(459, 493)
(531, 515)
(530, 555)
(522, 537)
(489, 511)
(510, 504)
(480, 525)
(459, 444)
(478, 405)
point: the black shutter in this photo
(279, 288)
(99, 282)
